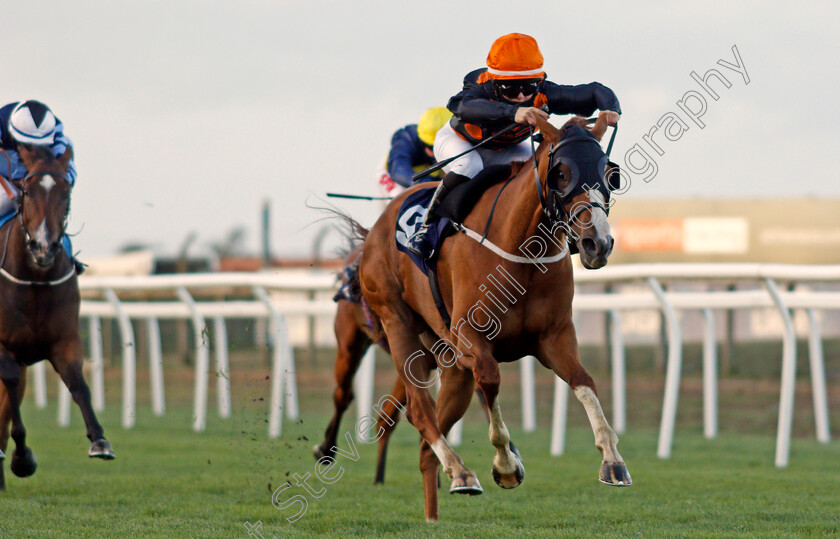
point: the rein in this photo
(560, 219)
(3, 180)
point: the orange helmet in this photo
(515, 56)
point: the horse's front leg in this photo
(66, 359)
(559, 352)
(13, 376)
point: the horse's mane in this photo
(41, 153)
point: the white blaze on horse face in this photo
(598, 220)
(40, 235)
(47, 182)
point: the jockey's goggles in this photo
(512, 88)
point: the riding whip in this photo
(441, 164)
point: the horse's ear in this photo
(27, 155)
(66, 157)
(550, 133)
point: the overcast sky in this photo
(185, 116)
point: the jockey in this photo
(411, 151)
(30, 123)
(511, 91)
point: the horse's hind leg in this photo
(389, 414)
(352, 344)
(67, 361)
(560, 353)
(13, 376)
(456, 390)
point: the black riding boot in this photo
(420, 243)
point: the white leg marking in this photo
(450, 460)
(505, 460)
(605, 437)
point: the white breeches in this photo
(7, 205)
(448, 143)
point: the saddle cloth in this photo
(410, 217)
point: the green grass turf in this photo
(170, 482)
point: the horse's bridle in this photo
(21, 195)
(555, 201)
(19, 200)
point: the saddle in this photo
(453, 209)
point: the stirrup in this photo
(420, 243)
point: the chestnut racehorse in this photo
(39, 303)
(354, 336)
(565, 194)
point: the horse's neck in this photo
(522, 211)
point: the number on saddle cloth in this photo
(409, 218)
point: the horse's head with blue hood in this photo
(579, 179)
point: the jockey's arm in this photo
(582, 99)
(62, 142)
(471, 106)
(401, 158)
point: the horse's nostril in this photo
(588, 245)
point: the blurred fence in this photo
(616, 293)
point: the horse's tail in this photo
(354, 232)
(356, 235)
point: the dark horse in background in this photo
(39, 303)
(354, 335)
(563, 193)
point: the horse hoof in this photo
(319, 452)
(615, 475)
(466, 484)
(101, 449)
(24, 466)
(510, 480)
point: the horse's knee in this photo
(490, 388)
(342, 397)
(582, 378)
